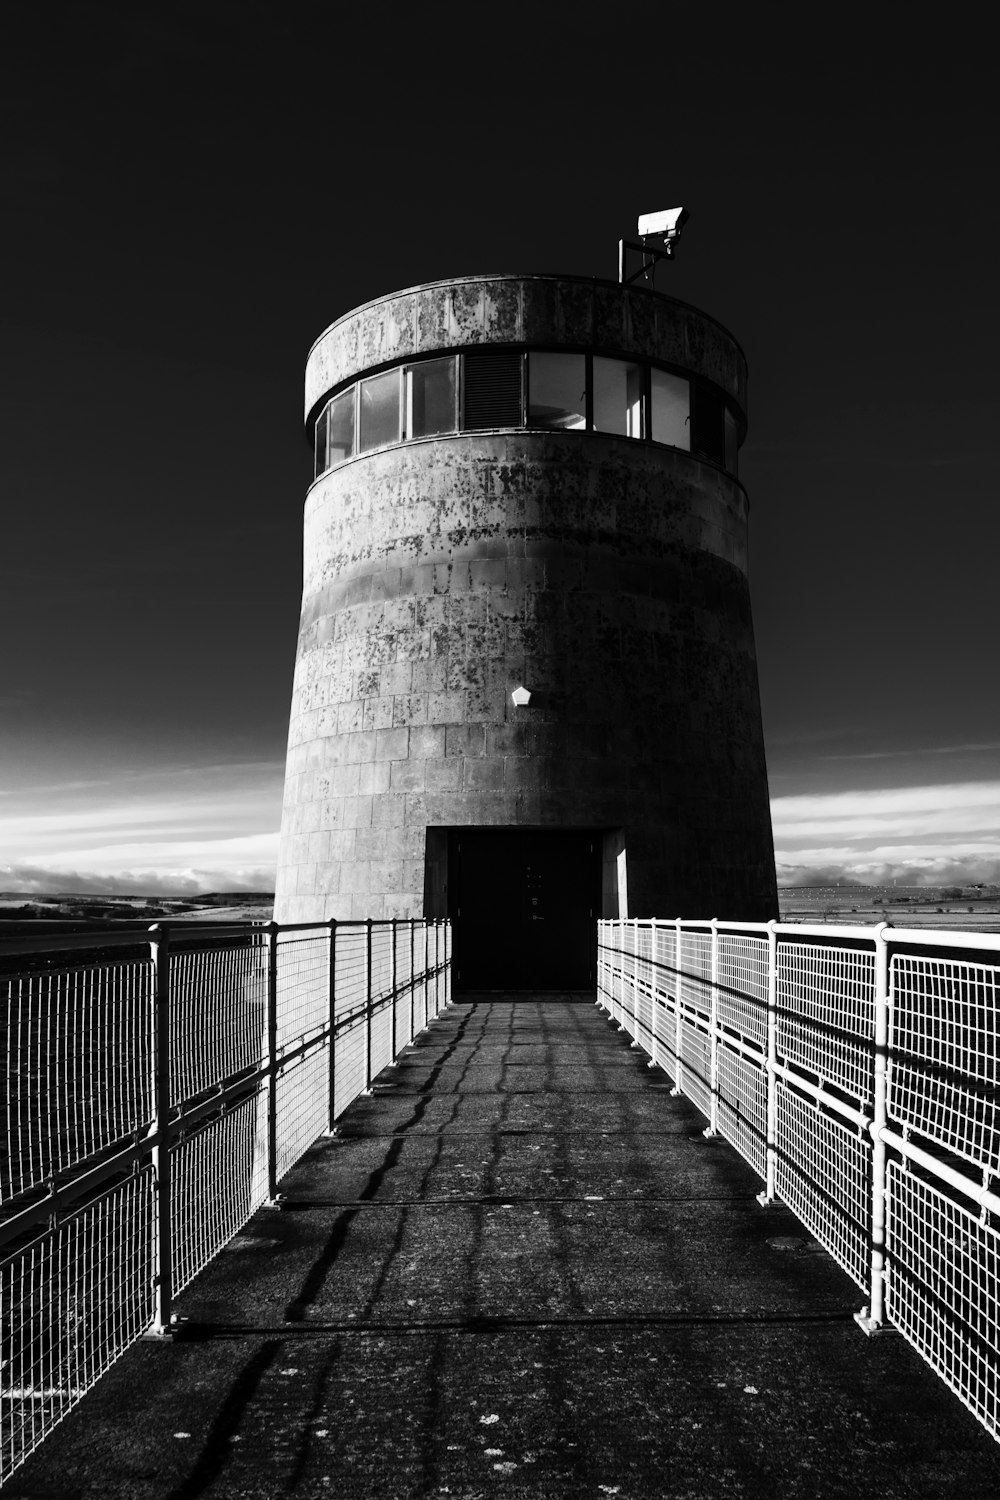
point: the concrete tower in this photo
(525, 481)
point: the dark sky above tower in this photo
(193, 192)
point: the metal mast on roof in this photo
(658, 234)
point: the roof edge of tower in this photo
(602, 281)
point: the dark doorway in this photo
(524, 904)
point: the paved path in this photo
(521, 1271)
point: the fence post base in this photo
(869, 1327)
(768, 1202)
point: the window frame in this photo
(701, 393)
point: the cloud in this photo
(38, 880)
(928, 835)
(179, 830)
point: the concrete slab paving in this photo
(520, 1269)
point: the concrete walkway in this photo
(520, 1271)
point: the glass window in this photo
(732, 443)
(671, 414)
(708, 436)
(557, 391)
(321, 459)
(430, 398)
(379, 422)
(340, 427)
(618, 397)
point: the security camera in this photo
(668, 223)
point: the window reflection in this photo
(557, 391)
(430, 398)
(670, 399)
(341, 427)
(618, 396)
(379, 422)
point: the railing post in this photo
(392, 990)
(368, 1005)
(163, 1266)
(713, 1039)
(678, 1087)
(871, 1319)
(426, 962)
(635, 984)
(332, 999)
(653, 1058)
(413, 979)
(768, 1197)
(271, 1014)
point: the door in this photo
(524, 905)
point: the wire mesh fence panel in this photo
(433, 972)
(742, 976)
(349, 1070)
(824, 1175)
(696, 1057)
(381, 944)
(643, 1002)
(742, 1106)
(944, 1080)
(302, 1107)
(351, 975)
(665, 1034)
(71, 1302)
(381, 1030)
(76, 1048)
(401, 1004)
(217, 1008)
(943, 1287)
(826, 1014)
(447, 964)
(303, 985)
(696, 971)
(218, 1179)
(663, 960)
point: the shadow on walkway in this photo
(520, 1269)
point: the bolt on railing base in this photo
(652, 1064)
(766, 1202)
(868, 1325)
(157, 1335)
(710, 1134)
(636, 1046)
(278, 1201)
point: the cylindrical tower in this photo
(525, 481)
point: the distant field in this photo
(913, 906)
(22, 915)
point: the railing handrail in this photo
(947, 937)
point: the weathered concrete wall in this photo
(541, 310)
(606, 575)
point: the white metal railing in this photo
(857, 1069)
(156, 1092)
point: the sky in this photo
(193, 192)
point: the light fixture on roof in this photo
(664, 230)
(520, 697)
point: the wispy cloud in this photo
(923, 834)
(37, 880)
(169, 831)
